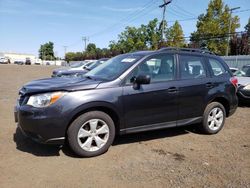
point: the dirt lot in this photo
(168, 158)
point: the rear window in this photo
(217, 67)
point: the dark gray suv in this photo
(133, 92)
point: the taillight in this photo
(234, 81)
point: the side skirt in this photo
(163, 125)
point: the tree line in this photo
(211, 32)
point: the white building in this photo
(34, 60)
(18, 57)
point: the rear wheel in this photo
(213, 118)
(91, 134)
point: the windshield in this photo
(77, 64)
(245, 72)
(94, 65)
(114, 67)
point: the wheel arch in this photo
(224, 101)
(99, 106)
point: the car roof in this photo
(194, 51)
(143, 53)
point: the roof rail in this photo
(202, 50)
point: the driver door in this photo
(153, 105)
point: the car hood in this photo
(69, 72)
(59, 70)
(58, 84)
(243, 80)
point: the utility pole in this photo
(229, 29)
(85, 40)
(166, 2)
(65, 51)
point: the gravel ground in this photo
(178, 157)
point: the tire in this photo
(213, 118)
(91, 134)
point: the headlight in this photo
(247, 87)
(44, 100)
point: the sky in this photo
(26, 24)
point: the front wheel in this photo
(213, 118)
(91, 134)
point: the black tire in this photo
(205, 125)
(73, 129)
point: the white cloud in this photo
(121, 9)
(49, 13)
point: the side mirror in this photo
(139, 80)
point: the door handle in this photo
(172, 90)
(209, 85)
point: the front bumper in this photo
(41, 125)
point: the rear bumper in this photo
(244, 95)
(233, 106)
(232, 111)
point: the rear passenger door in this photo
(194, 85)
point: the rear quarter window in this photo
(217, 67)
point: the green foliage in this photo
(212, 33)
(247, 27)
(213, 27)
(46, 51)
(240, 43)
(92, 52)
(175, 36)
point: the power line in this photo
(183, 10)
(175, 11)
(125, 19)
(245, 10)
(135, 15)
(208, 36)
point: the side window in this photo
(217, 67)
(159, 68)
(191, 67)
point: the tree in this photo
(153, 34)
(69, 56)
(114, 48)
(247, 27)
(132, 39)
(212, 27)
(46, 51)
(240, 43)
(175, 36)
(91, 47)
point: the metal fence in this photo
(237, 61)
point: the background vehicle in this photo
(74, 66)
(77, 73)
(27, 61)
(233, 70)
(19, 62)
(243, 77)
(4, 60)
(130, 93)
